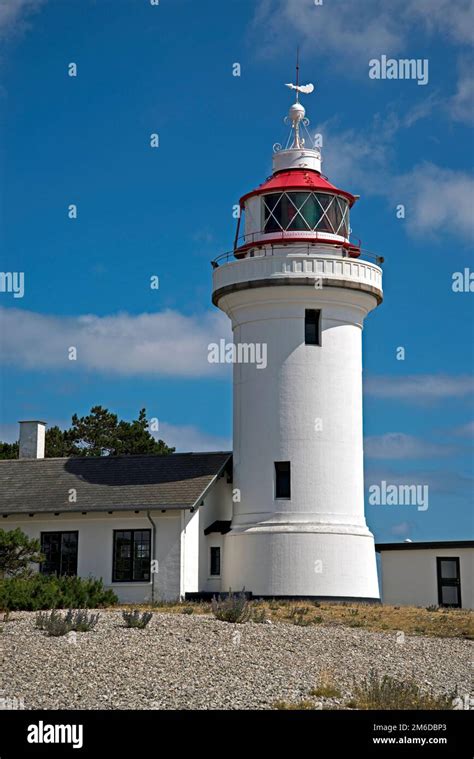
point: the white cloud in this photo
(184, 437)
(403, 529)
(363, 161)
(452, 20)
(420, 388)
(440, 481)
(190, 438)
(465, 430)
(355, 32)
(159, 344)
(397, 445)
(356, 160)
(345, 28)
(13, 15)
(436, 200)
(461, 105)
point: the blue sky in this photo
(168, 69)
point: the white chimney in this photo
(32, 439)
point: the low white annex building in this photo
(439, 573)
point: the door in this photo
(449, 581)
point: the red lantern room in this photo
(297, 204)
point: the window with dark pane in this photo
(341, 207)
(215, 560)
(312, 325)
(60, 551)
(325, 201)
(282, 479)
(272, 213)
(312, 211)
(295, 215)
(132, 555)
(141, 563)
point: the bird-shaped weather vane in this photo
(306, 89)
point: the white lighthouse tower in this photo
(297, 285)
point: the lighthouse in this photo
(297, 283)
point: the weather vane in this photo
(296, 115)
(306, 89)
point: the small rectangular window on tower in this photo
(312, 327)
(215, 561)
(282, 479)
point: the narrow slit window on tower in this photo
(282, 479)
(312, 327)
(215, 561)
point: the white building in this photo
(151, 527)
(296, 284)
(429, 573)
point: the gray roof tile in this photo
(107, 483)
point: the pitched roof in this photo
(109, 483)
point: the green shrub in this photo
(327, 687)
(56, 624)
(297, 614)
(258, 614)
(81, 620)
(296, 611)
(232, 608)
(187, 610)
(160, 603)
(389, 693)
(135, 619)
(17, 552)
(35, 592)
(40, 621)
(301, 620)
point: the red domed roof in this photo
(298, 179)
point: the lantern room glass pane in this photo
(305, 211)
(272, 213)
(325, 201)
(297, 202)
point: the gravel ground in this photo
(196, 662)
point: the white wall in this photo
(409, 577)
(181, 548)
(196, 570)
(274, 544)
(95, 547)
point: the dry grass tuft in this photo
(412, 620)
